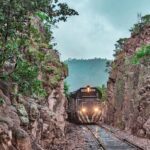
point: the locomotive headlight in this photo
(83, 109)
(96, 109)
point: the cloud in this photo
(100, 24)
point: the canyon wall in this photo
(28, 123)
(128, 104)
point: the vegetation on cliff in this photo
(103, 90)
(128, 85)
(141, 53)
(142, 21)
(26, 55)
(32, 113)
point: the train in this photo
(84, 105)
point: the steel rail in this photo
(122, 139)
(99, 142)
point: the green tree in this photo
(141, 53)
(103, 90)
(21, 37)
(66, 89)
(119, 45)
(142, 21)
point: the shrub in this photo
(66, 89)
(142, 21)
(142, 52)
(25, 75)
(54, 80)
(103, 90)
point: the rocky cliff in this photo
(32, 112)
(28, 123)
(128, 105)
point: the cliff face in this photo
(128, 105)
(27, 123)
(30, 120)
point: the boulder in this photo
(146, 126)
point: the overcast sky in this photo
(99, 25)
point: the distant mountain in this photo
(86, 72)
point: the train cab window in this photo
(89, 93)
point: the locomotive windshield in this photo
(89, 93)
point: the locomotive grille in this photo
(89, 111)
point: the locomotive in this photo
(84, 105)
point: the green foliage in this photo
(66, 89)
(142, 21)
(103, 90)
(108, 66)
(25, 75)
(26, 39)
(54, 80)
(44, 17)
(2, 101)
(141, 53)
(4, 76)
(119, 45)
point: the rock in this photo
(141, 133)
(6, 120)
(142, 91)
(33, 112)
(24, 120)
(146, 126)
(128, 88)
(20, 133)
(6, 99)
(140, 120)
(15, 118)
(36, 146)
(21, 110)
(22, 140)
(5, 137)
(3, 127)
(23, 115)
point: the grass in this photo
(141, 53)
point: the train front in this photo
(89, 106)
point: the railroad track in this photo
(122, 139)
(97, 140)
(108, 141)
